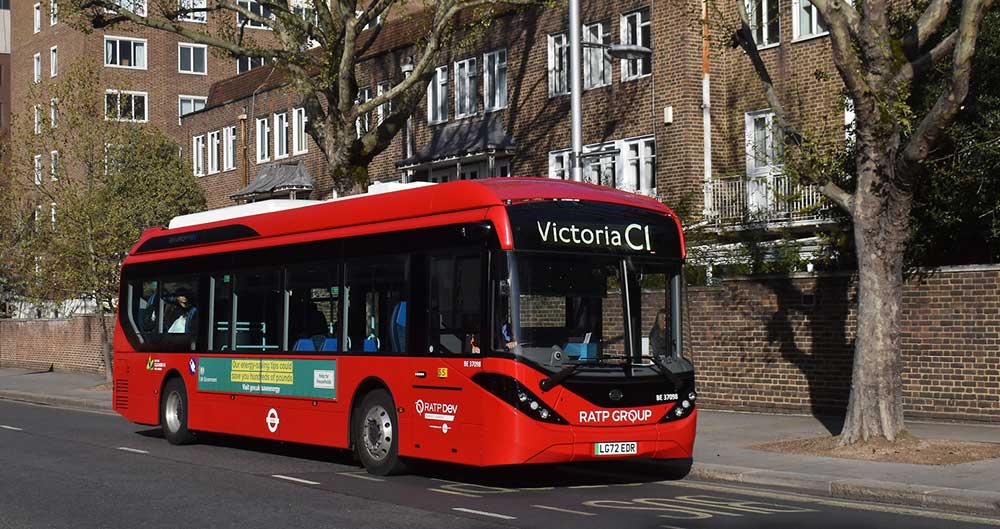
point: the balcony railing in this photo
(774, 198)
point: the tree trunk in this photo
(106, 335)
(881, 228)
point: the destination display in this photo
(268, 376)
(592, 227)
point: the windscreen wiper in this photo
(661, 368)
(561, 376)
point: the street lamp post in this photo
(617, 51)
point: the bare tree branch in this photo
(926, 62)
(949, 102)
(926, 26)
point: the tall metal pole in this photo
(575, 89)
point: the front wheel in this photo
(376, 434)
(173, 413)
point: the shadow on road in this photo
(522, 476)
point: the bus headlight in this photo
(681, 409)
(512, 392)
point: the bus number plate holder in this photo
(616, 449)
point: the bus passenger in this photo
(658, 335)
(184, 315)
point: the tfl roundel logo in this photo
(192, 365)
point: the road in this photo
(68, 468)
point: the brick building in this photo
(147, 76)
(502, 108)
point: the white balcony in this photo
(768, 199)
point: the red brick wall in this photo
(786, 344)
(64, 344)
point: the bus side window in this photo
(455, 304)
(313, 292)
(221, 313)
(178, 306)
(143, 310)
(376, 291)
(260, 311)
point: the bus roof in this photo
(383, 204)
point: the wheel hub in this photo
(377, 432)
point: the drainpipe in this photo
(706, 106)
(575, 88)
(244, 151)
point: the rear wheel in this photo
(376, 434)
(173, 413)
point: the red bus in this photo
(488, 322)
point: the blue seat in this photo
(330, 344)
(397, 334)
(370, 345)
(581, 351)
(304, 344)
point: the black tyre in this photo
(376, 434)
(174, 413)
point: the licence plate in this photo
(616, 449)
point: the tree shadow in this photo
(809, 329)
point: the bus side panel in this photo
(136, 389)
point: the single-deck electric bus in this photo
(486, 322)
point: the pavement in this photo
(722, 451)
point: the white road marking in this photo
(588, 487)
(297, 480)
(455, 492)
(14, 428)
(559, 509)
(133, 450)
(359, 475)
(844, 504)
(484, 513)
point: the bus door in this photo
(448, 420)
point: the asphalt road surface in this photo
(68, 468)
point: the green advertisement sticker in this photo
(269, 376)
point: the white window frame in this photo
(608, 163)
(591, 54)
(645, 163)
(138, 7)
(54, 112)
(815, 32)
(37, 27)
(559, 165)
(198, 18)
(119, 41)
(193, 99)
(626, 20)
(38, 119)
(37, 61)
(300, 138)
(558, 52)
(54, 166)
(762, 34)
(38, 169)
(495, 80)
(263, 137)
(363, 124)
(189, 48)
(250, 64)
(280, 135)
(384, 109)
(252, 24)
(53, 12)
(53, 61)
(131, 93)
(198, 155)
(229, 148)
(772, 152)
(466, 88)
(52, 209)
(212, 144)
(437, 97)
